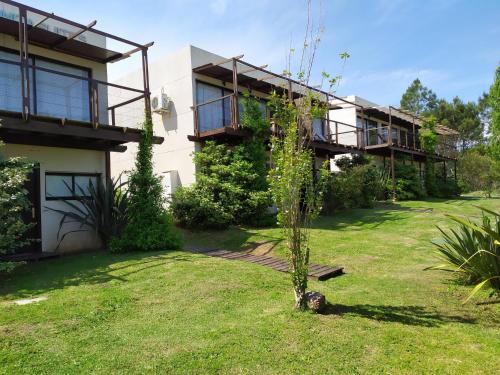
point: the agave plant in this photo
(473, 250)
(102, 208)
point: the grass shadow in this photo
(408, 315)
(86, 268)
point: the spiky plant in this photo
(102, 208)
(473, 250)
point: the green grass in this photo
(177, 312)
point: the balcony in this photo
(46, 101)
(402, 140)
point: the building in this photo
(55, 111)
(195, 96)
(389, 134)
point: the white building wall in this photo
(55, 159)
(173, 158)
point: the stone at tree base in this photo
(315, 301)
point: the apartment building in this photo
(196, 97)
(55, 112)
(389, 134)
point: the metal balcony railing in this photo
(54, 94)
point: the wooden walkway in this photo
(316, 271)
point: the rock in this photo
(315, 301)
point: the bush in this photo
(228, 190)
(194, 208)
(357, 185)
(473, 250)
(149, 225)
(478, 172)
(13, 203)
(159, 235)
(408, 184)
(447, 189)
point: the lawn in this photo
(177, 312)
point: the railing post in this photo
(414, 135)
(328, 121)
(196, 125)
(235, 118)
(113, 119)
(336, 132)
(145, 77)
(95, 104)
(389, 136)
(23, 53)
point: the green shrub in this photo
(194, 208)
(357, 185)
(408, 184)
(473, 251)
(448, 188)
(478, 171)
(231, 185)
(159, 235)
(149, 225)
(228, 190)
(13, 203)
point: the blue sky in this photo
(453, 46)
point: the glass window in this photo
(58, 186)
(62, 96)
(404, 139)
(394, 132)
(10, 83)
(211, 116)
(68, 186)
(371, 133)
(82, 184)
(318, 129)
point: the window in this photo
(394, 135)
(217, 114)
(318, 129)
(371, 133)
(404, 137)
(51, 94)
(68, 186)
(59, 95)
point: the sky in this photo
(452, 46)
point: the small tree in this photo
(231, 185)
(494, 101)
(13, 203)
(429, 141)
(149, 227)
(294, 186)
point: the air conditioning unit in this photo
(160, 103)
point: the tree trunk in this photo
(300, 298)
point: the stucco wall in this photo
(54, 159)
(173, 74)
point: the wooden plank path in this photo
(316, 271)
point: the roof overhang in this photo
(70, 134)
(72, 39)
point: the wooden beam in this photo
(220, 62)
(105, 133)
(126, 55)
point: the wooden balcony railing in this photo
(223, 112)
